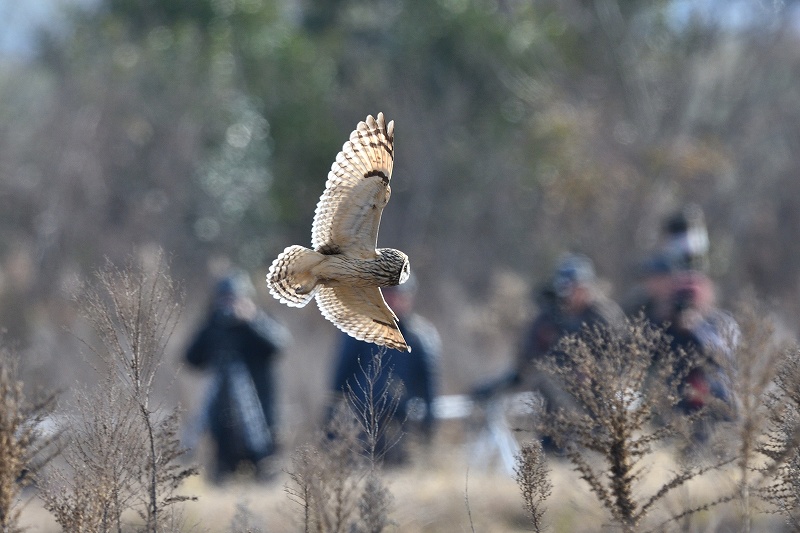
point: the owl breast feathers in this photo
(344, 269)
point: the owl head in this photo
(396, 265)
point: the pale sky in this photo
(20, 18)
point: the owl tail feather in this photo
(290, 278)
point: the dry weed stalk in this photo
(757, 356)
(619, 387)
(532, 477)
(373, 402)
(98, 479)
(327, 477)
(374, 505)
(123, 452)
(337, 480)
(23, 447)
(782, 446)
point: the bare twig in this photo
(620, 379)
(24, 445)
(123, 452)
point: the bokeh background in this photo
(524, 129)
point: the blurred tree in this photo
(523, 130)
(425, 64)
(130, 130)
(138, 115)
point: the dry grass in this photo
(625, 417)
(758, 355)
(24, 448)
(623, 411)
(624, 468)
(336, 479)
(121, 452)
(429, 497)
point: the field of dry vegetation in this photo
(148, 146)
(431, 496)
(110, 458)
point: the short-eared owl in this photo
(345, 269)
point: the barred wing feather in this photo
(362, 313)
(349, 211)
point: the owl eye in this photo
(404, 272)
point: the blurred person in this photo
(570, 301)
(704, 338)
(411, 377)
(677, 295)
(683, 246)
(239, 344)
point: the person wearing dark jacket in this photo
(410, 377)
(240, 345)
(704, 339)
(677, 295)
(568, 302)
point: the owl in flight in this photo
(344, 270)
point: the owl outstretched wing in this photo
(349, 211)
(362, 313)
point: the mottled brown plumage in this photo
(344, 270)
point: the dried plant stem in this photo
(24, 449)
(466, 502)
(619, 379)
(782, 445)
(374, 402)
(123, 454)
(757, 357)
(337, 481)
(532, 478)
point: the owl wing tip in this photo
(394, 344)
(396, 341)
(380, 121)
